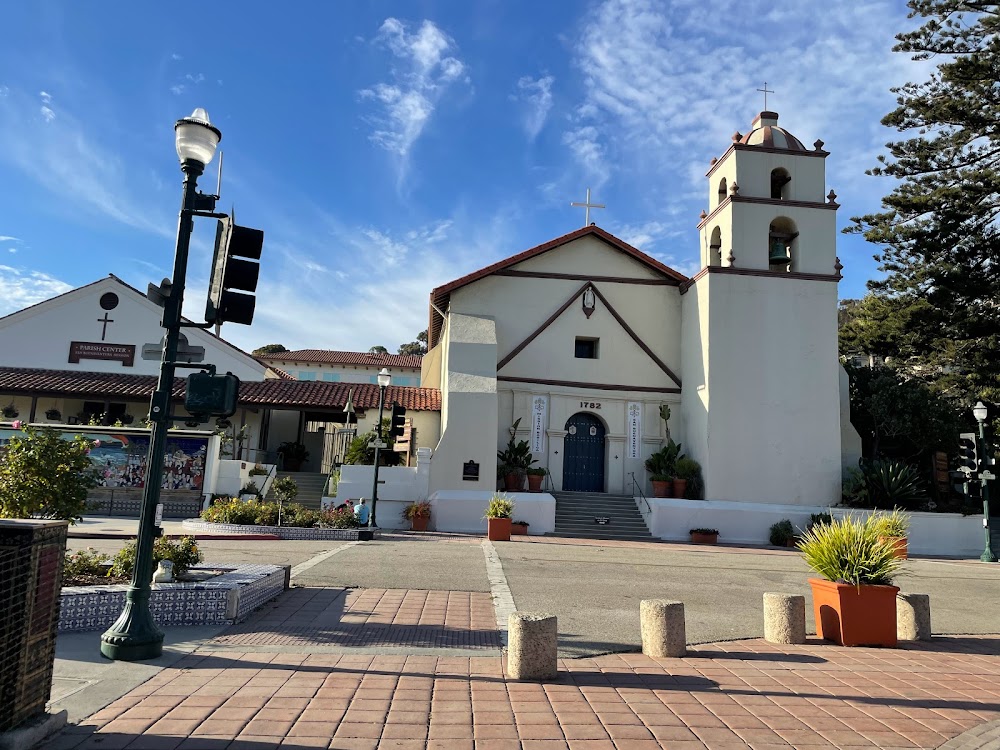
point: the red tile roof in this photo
(278, 394)
(328, 357)
(441, 295)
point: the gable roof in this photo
(272, 393)
(330, 357)
(442, 294)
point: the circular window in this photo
(109, 301)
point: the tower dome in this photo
(765, 132)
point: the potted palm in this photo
(685, 469)
(662, 465)
(293, 455)
(498, 515)
(535, 476)
(892, 529)
(418, 514)
(854, 600)
(515, 461)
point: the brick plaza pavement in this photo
(739, 694)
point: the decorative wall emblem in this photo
(572, 429)
(593, 431)
(589, 301)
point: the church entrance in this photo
(583, 464)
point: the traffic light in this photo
(211, 395)
(968, 455)
(398, 420)
(235, 266)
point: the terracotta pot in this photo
(704, 538)
(680, 487)
(535, 482)
(898, 543)
(519, 528)
(498, 529)
(419, 523)
(512, 482)
(661, 489)
(855, 615)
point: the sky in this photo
(386, 148)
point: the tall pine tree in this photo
(938, 308)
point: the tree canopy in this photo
(378, 350)
(938, 307)
(416, 347)
(269, 349)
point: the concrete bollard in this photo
(662, 625)
(784, 618)
(532, 643)
(913, 617)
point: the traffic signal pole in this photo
(378, 447)
(984, 472)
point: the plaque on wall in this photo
(470, 471)
(124, 353)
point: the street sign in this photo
(378, 444)
(987, 475)
(185, 352)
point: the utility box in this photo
(31, 561)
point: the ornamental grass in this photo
(850, 550)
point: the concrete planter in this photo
(282, 532)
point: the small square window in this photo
(586, 348)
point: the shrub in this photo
(535, 471)
(663, 463)
(500, 506)
(421, 509)
(781, 533)
(183, 554)
(704, 531)
(87, 562)
(248, 512)
(338, 518)
(848, 550)
(44, 476)
(286, 489)
(893, 483)
(895, 524)
(815, 519)
(250, 488)
(298, 515)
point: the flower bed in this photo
(225, 599)
(282, 532)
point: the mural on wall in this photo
(121, 459)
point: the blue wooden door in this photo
(583, 464)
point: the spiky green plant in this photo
(500, 506)
(893, 483)
(894, 524)
(850, 550)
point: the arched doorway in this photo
(583, 463)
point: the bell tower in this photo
(761, 394)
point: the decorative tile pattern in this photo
(228, 598)
(284, 532)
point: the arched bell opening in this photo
(780, 184)
(782, 245)
(715, 248)
(723, 191)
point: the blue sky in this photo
(386, 148)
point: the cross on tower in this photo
(104, 328)
(587, 205)
(765, 91)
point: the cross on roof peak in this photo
(765, 91)
(587, 205)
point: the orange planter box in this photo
(498, 529)
(855, 616)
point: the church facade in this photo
(577, 344)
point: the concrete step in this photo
(575, 514)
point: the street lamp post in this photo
(134, 635)
(979, 411)
(384, 378)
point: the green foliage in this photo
(44, 476)
(258, 471)
(899, 415)
(781, 533)
(286, 489)
(663, 463)
(815, 519)
(332, 518)
(848, 550)
(360, 454)
(250, 488)
(938, 232)
(379, 349)
(333, 482)
(183, 554)
(268, 349)
(416, 347)
(893, 524)
(516, 458)
(708, 532)
(686, 468)
(420, 509)
(854, 489)
(250, 512)
(299, 516)
(500, 506)
(888, 484)
(88, 562)
(535, 471)
(293, 451)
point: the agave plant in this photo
(893, 484)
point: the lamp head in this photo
(979, 411)
(384, 378)
(196, 138)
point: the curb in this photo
(33, 731)
(198, 537)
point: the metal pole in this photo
(378, 431)
(984, 466)
(135, 636)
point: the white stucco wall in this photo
(459, 510)
(40, 336)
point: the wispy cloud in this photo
(425, 67)
(586, 147)
(8, 238)
(48, 114)
(535, 97)
(20, 288)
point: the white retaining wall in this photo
(233, 475)
(399, 486)
(945, 534)
(457, 510)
